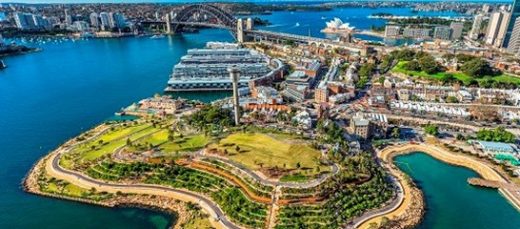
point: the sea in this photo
(50, 96)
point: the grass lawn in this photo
(113, 140)
(187, 143)
(504, 78)
(270, 150)
(198, 222)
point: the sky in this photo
(191, 1)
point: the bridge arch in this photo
(224, 18)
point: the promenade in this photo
(53, 169)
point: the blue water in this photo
(305, 23)
(451, 202)
(69, 87)
(50, 96)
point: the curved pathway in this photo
(245, 171)
(53, 168)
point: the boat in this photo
(2, 65)
(157, 36)
(297, 24)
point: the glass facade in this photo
(515, 13)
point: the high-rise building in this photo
(119, 20)
(476, 27)
(94, 20)
(392, 31)
(442, 32)
(515, 13)
(485, 8)
(105, 20)
(68, 18)
(514, 42)
(25, 21)
(420, 33)
(456, 30)
(497, 28)
(168, 21)
(240, 30)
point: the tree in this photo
(367, 69)
(428, 64)
(237, 148)
(412, 65)
(431, 129)
(477, 68)
(381, 80)
(452, 99)
(396, 133)
(298, 165)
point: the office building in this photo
(105, 20)
(418, 33)
(442, 32)
(515, 14)
(476, 27)
(514, 42)
(392, 31)
(94, 20)
(68, 18)
(26, 21)
(456, 30)
(497, 28)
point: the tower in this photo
(168, 20)
(234, 74)
(249, 24)
(240, 30)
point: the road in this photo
(54, 169)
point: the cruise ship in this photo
(207, 69)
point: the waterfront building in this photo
(105, 20)
(442, 32)
(514, 42)
(476, 27)
(392, 31)
(24, 21)
(206, 69)
(456, 30)
(497, 28)
(118, 20)
(94, 20)
(80, 26)
(68, 17)
(419, 33)
(495, 147)
(512, 19)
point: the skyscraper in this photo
(477, 25)
(94, 20)
(514, 42)
(515, 13)
(105, 20)
(497, 29)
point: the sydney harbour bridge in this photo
(207, 15)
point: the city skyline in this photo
(230, 1)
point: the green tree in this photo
(431, 129)
(412, 65)
(477, 68)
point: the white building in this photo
(456, 30)
(514, 42)
(475, 28)
(392, 31)
(497, 28)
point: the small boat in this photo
(157, 36)
(2, 65)
(297, 24)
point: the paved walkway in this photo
(53, 168)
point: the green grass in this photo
(113, 140)
(504, 78)
(269, 151)
(187, 143)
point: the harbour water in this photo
(451, 202)
(50, 96)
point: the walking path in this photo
(53, 168)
